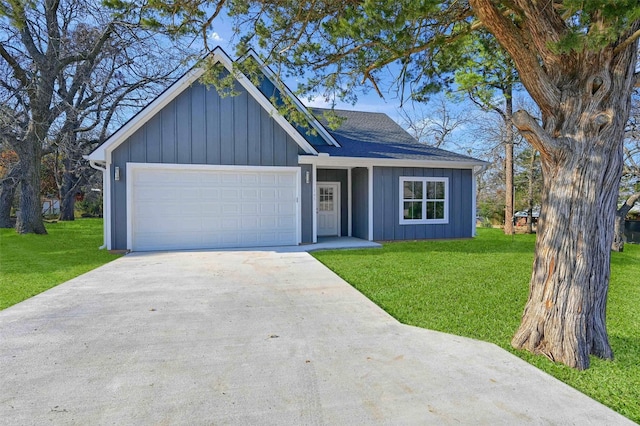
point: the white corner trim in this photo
(314, 203)
(129, 176)
(106, 202)
(370, 194)
(474, 212)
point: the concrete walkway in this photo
(253, 338)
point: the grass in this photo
(478, 288)
(475, 288)
(31, 264)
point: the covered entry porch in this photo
(341, 203)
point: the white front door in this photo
(328, 208)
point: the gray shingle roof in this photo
(376, 135)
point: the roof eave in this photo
(328, 161)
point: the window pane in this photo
(417, 189)
(430, 209)
(435, 190)
(439, 190)
(408, 190)
(431, 190)
(412, 210)
(435, 210)
(412, 190)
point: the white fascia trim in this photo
(312, 120)
(103, 152)
(328, 161)
(132, 167)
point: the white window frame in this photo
(424, 181)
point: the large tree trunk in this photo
(508, 164)
(29, 217)
(584, 96)
(7, 194)
(564, 318)
(621, 215)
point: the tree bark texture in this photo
(621, 215)
(564, 318)
(29, 216)
(68, 194)
(8, 189)
(584, 97)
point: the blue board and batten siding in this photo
(386, 205)
(201, 127)
(306, 209)
(360, 200)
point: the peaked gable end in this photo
(103, 152)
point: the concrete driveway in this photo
(253, 338)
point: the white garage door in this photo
(193, 207)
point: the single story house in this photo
(196, 170)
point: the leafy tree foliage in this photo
(69, 68)
(577, 61)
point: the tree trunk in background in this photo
(68, 199)
(508, 164)
(67, 191)
(621, 215)
(30, 207)
(532, 163)
(8, 189)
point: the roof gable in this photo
(271, 86)
(103, 152)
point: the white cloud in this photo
(215, 37)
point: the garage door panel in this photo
(187, 208)
(227, 209)
(230, 194)
(249, 209)
(285, 209)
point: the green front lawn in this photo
(31, 264)
(478, 288)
